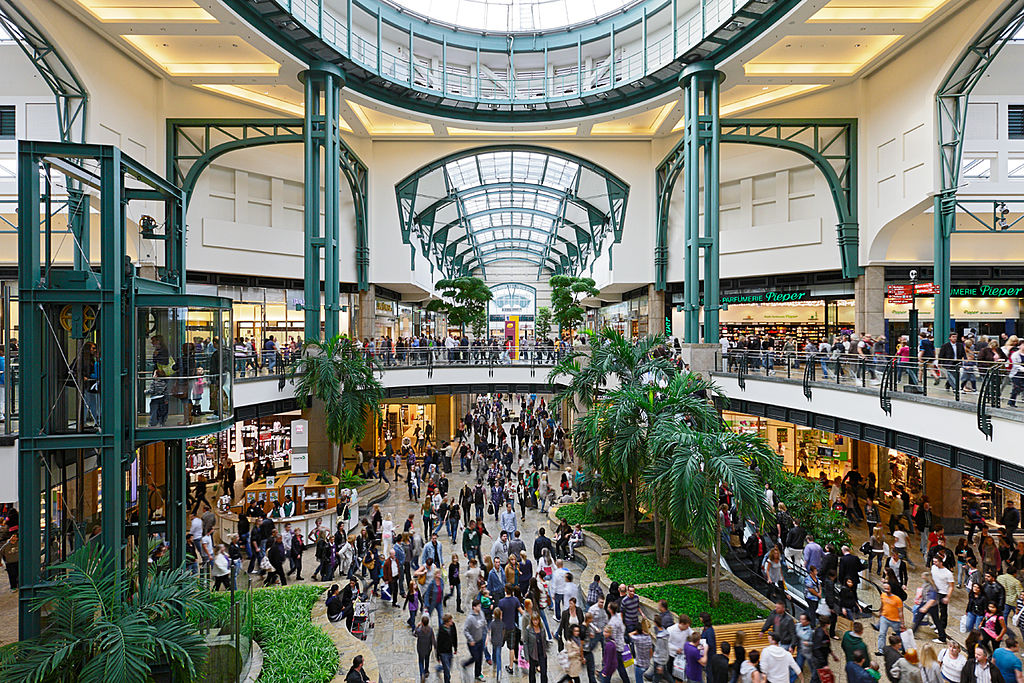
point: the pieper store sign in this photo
(765, 297)
(896, 292)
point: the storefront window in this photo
(405, 421)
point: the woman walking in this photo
(571, 658)
(537, 649)
(425, 644)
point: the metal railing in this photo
(254, 365)
(623, 65)
(962, 381)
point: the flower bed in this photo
(691, 601)
(637, 568)
(617, 539)
(294, 649)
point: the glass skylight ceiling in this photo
(517, 207)
(509, 16)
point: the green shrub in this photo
(576, 513)
(350, 480)
(807, 502)
(635, 568)
(294, 649)
(617, 539)
(690, 601)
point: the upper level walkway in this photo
(974, 430)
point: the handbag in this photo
(825, 675)
(524, 664)
(627, 656)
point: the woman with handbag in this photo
(571, 658)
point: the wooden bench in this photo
(753, 639)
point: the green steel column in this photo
(945, 215)
(712, 140)
(322, 147)
(691, 211)
(177, 524)
(701, 139)
(332, 212)
(32, 395)
(311, 207)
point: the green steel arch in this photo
(951, 103)
(194, 144)
(540, 201)
(830, 144)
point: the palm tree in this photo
(336, 376)
(691, 464)
(614, 437)
(639, 372)
(102, 627)
(609, 356)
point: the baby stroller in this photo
(363, 611)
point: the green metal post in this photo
(311, 207)
(711, 207)
(945, 215)
(32, 395)
(322, 150)
(691, 212)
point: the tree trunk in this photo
(628, 511)
(666, 546)
(657, 536)
(716, 571)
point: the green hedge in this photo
(686, 600)
(634, 568)
(617, 539)
(294, 649)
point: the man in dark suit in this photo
(951, 355)
(849, 567)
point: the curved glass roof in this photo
(512, 16)
(506, 204)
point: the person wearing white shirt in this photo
(777, 663)
(196, 529)
(557, 585)
(678, 636)
(944, 582)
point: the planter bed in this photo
(692, 601)
(294, 648)
(577, 513)
(616, 539)
(632, 567)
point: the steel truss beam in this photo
(434, 241)
(194, 144)
(830, 144)
(951, 103)
(72, 97)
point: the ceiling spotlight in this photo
(601, 95)
(1003, 225)
(1002, 209)
(733, 26)
(638, 84)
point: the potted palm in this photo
(335, 382)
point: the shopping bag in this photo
(524, 664)
(627, 656)
(563, 660)
(679, 667)
(963, 624)
(907, 637)
(825, 675)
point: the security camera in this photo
(913, 275)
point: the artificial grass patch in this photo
(691, 601)
(294, 649)
(634, 568)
